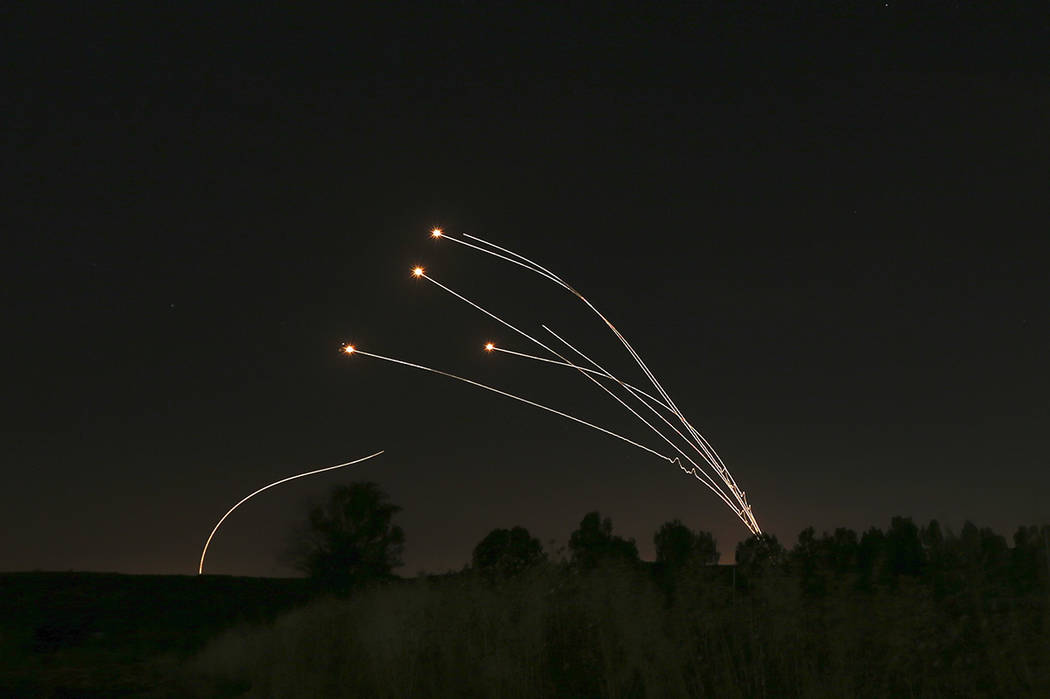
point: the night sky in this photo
(826, 233)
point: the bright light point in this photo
(489, 346)
(349, 349)
(417, 271)
(437, 232)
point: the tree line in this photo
(351, 541)
(907, 610)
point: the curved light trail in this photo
(696, 470)
(743, 509)
(350, 349)
(200, 569)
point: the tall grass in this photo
(620, 631)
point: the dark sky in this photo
(826, 232)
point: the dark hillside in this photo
(77, 634)
(907, 611)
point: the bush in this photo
(505, 553)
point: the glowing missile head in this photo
(489, 346)
(349, 349)
(436, 233)
(417, 271)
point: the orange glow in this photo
(489, 346)
(437, 232)
(417, 271)
(349, 349)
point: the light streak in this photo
(718, 464)
(490, 314)
(709, 482)
(542, 271)
(200, 570)
(600, 373)
(490, 346)
(556, 280)
(517, 398)
(705, 454)
(697, 471)
(520, 257)
(596, 372)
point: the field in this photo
(620, 632)
(91, 634)
(906, 613)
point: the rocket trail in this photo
(704, 450)
(538, 269)
(200, 570)
(599, 372)
(711, 459)
(520, 257)
(556, 280)
(638, 393)
(697, 472)
(525, 262)
(353, 350)
(490, 314)
(563, 362)
(420, 273)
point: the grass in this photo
(96, 634)
(966, 616)
(623, 632)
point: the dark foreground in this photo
(622, 632)
(907, 613)
(92, 634)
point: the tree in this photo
(507, 552)
(1030, 558)
(903, 545)
(594, 542)
(350, 539)
(676, 544)
(758, 553)
(870, 550)
(808, 557)
(842, 550)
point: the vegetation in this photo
(910, 611)
(103, 634)
(677, 546)
(350, 541)
(594, 543)
(505, 553)
(907, 611)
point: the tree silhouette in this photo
(504, 553)
(808, 557)
(594, 542)
(757, 554)
(676, 545)
(904, 550)
(350, 539)
(1030, 558)
(870, 550)
(842, 550)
